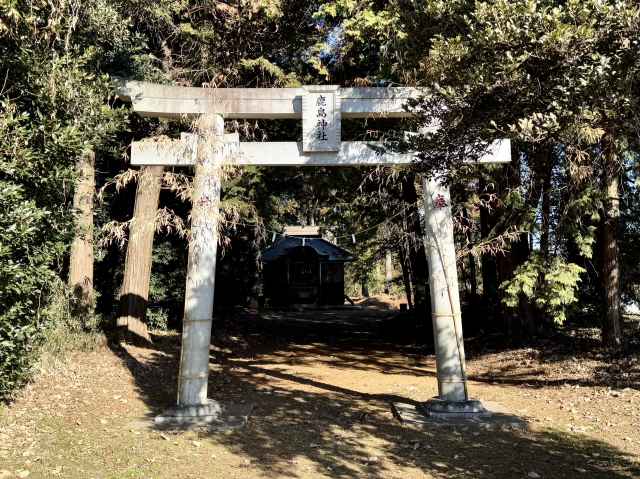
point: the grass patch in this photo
(68, 331)
(60, 341)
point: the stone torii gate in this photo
(321, 109)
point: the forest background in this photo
(544, 242)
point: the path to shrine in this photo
(320, 382)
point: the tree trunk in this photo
(473, 280)
(81, 260)
(137, 270)
(404, 265)
(416, 252)
(546, 214)
(612, 328)
(388, 272)
(488, 265)
(547, 172)
(471, 268)
(522, 325)
(419, 271)
(364, 288)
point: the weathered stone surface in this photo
(149, 99)
(437, 406)
(289, 153)
(445, 413)
(213, 414)
(443, 287)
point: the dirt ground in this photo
(322, 383)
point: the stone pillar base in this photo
(439, 413)
(437, 407)
(213, 413)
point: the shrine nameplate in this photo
(321, 119)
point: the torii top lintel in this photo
(150, 99)
(323, 107)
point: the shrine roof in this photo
(327, 250)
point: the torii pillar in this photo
(446, 317)
(193, 405)
(193, 376)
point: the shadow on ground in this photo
(343, 432)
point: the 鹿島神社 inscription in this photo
(320, 119)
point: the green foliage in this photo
(550, 284)
(166, 290)
(25, 274)
(537, 71)
(63, 332)
(273, 73)
(362, 273)
(560, 79)
(53, 108)
(157, 319)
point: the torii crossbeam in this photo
(321, 109)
